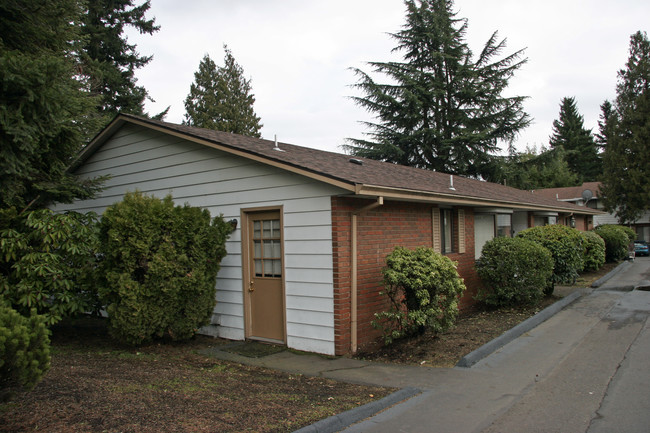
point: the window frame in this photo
(447, 246)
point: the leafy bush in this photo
(594, 251)
(514, 271)
(631, 234)
(48, 262)
(160, 267)
(24, 350)
(565, 245)
(423, 288)
(616, 241)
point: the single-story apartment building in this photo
(313, 227)
(588, 194)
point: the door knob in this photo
(251, 287)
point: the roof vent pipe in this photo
(451, 182)
(276, 144)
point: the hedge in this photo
(616, 239)
(565, 245)
(513, 271)
(594, 251)
(159, 269)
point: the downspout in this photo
(354, 273)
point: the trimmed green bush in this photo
(160, 267)
(24, 351)
(616, 241)
(565, 245)
(423, 288)
(631, 234)
(48, 262)
(594, 251)
(514, 271)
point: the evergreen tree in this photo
(43, 110)
(605, 121)
(529, 170)
(109, 61)
(440, 109)
(220, 98)
(581, 150)
(625, 187)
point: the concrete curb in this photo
(599, 282)
(339, 422)
(473, 357)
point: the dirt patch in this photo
(96, 385)
(474, 327)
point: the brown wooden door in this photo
(265, 289)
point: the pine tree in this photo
(220, 98)
(109, 62)
(625, 187)
(577, 141)
(605, 121)
(440, 109)
(43, 111)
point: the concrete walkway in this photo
(585, 369)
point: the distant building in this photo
(589, 194)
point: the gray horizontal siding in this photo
(158, 164)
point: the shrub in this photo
(631, 234)
(616, 241)
(423, 288)
(24, 350)
(594, 251)
(514, 271)
(48, 262)
(565, 245)
(160, 267)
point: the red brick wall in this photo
(379, 231)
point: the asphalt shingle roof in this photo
(337, 166)
(570, 192)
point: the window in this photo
(267, 250)
(448, 223)
(504, 225)
(542, 220)
(447, 230)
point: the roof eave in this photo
(462, 200)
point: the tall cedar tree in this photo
(625, 187)
(577, 141)
(220, 98)
(440, 109)
(43, 110)
(109, 61)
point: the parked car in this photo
(641, 248)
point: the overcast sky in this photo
(298, 54)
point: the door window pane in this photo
(258, 268)
(267, 248)
(277, 268)
(268, 268)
